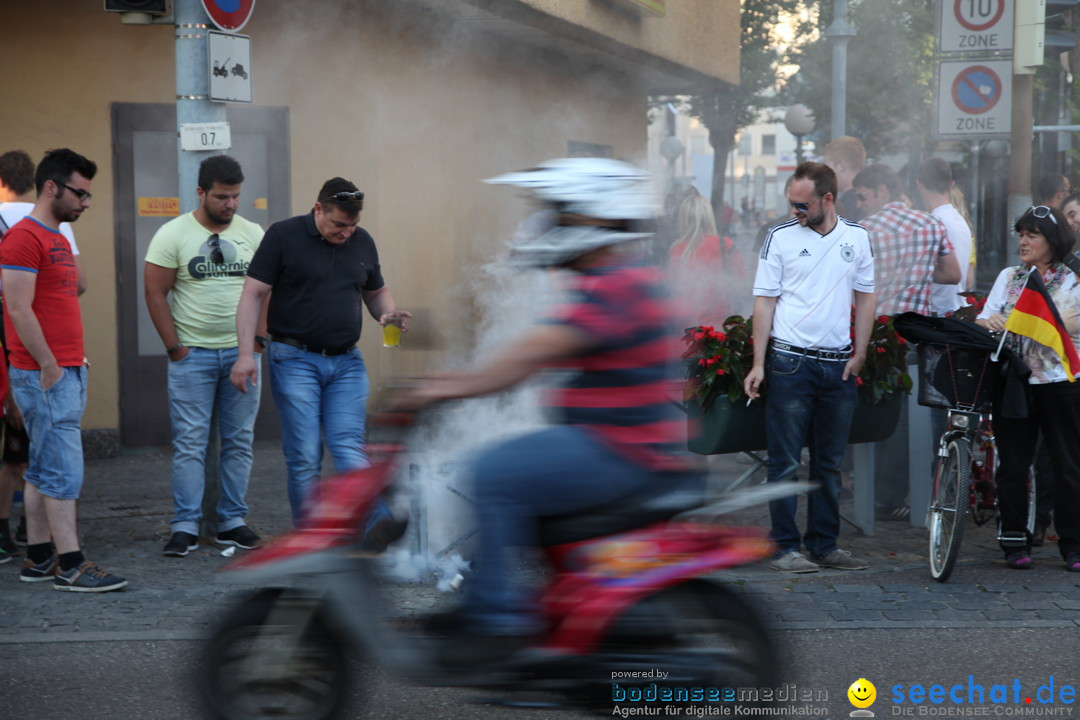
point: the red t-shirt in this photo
(33, 247)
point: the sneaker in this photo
(180, 544)
(5, 557)
(1018, 560)
(382, 533)
(20, 532)
(241, 537)
(7, 544)
(88, 577)
(37, 572)
(841, 560)
(1072, 562)
(892, 514)
(794, 562)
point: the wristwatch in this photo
(174, 348)
(263, 342)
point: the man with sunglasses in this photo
(44, 330)
(323, 269)
(202, 257)
(811, 269)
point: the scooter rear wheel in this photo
(701, 634)
(253, 669)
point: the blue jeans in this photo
(807, 405)
(318, 396)
(196, 384)
(555, 471)
(53, 421)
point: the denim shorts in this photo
(53, 421)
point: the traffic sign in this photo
(229, 15)
(975, 26)
(230, 66)
(974, 99)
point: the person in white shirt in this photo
(934, 182)
(811, 269)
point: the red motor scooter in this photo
(629, 611)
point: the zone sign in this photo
(976, 26)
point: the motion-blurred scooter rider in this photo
(616, 430)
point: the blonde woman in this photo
(706, 268)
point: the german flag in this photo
(1036, 317)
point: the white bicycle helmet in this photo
(596, 202)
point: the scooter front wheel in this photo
(272, 657)
(694, 635)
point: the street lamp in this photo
(799, 121)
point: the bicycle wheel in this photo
(948, 509)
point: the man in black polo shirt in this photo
(323, 268)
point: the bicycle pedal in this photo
(1013, 540)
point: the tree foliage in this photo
(724, 113)
(890, 78)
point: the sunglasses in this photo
(216, 256)
(81, 194)
(861, 197)
(355, 196)
(1042, 211)
(799, 206)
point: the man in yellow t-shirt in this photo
(202, 257)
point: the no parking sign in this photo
(229, 15)
(974, 99)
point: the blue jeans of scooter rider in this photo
(556, 471)
(807, 404)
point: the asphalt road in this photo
(155, 680)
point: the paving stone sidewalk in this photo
(124, 523)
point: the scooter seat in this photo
(666, 496)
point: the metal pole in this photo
(193, 105)
(839, 34)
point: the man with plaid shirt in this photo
(911, 248)
(911, 252)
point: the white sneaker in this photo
(794, 562)
(842, 560)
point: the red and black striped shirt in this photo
(622, 389)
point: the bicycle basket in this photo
(953, 376)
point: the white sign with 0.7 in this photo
(205, 136)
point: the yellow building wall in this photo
(415, 111)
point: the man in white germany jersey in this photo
(810, 271)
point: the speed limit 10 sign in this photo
(976, 26)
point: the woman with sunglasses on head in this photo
(1045, 240)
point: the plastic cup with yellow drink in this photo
(391, 335)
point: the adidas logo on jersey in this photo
(804, 253)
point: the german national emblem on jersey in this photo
(847, 253)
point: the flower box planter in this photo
(728, 427)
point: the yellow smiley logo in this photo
(862, 693)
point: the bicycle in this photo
(962, 378)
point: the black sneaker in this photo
(5, 557)
(180, 544)
(7, 543)
(37, 572)
(20, 532)
(88, 578)
(241, 537)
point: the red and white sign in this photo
(229, 15)
(976, 26)
(974, 99)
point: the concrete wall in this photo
(415, 110)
